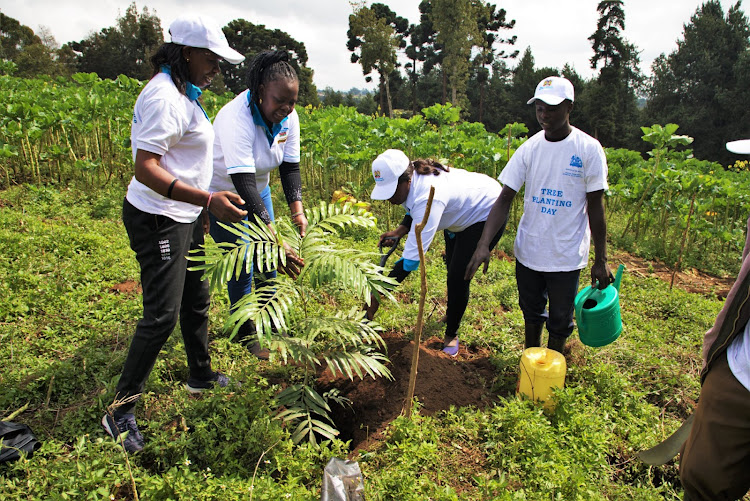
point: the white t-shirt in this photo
(461, 199)
(167, 123)
(242, 146)
(554, 233)
(738, 356)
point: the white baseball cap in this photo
(386, 169)
(204, 33)
(553, 91)
(741, 146)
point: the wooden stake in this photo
(420, 315)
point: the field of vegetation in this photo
(69, 284)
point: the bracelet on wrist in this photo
(208, 202)
(297, 214)
(171, 185)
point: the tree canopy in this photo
(123, 49)
(701, 85)
(249, 39)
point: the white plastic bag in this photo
(342, 481)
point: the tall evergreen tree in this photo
(455, 22)
(373, 42)
(701, 86)
(425, 48)
(612, 104)
(490, 21)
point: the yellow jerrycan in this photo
(542, 370)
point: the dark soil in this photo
(442, 381)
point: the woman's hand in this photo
(389, 238)
(301, 222)
(206, 222)
(223, 204)
(294, 263)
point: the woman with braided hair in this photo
(257, 132)
(460, 207)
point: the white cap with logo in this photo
(553, 91)
(204, 33)
(386, 169)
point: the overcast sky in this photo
(557, 31)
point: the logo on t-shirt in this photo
(282, 136)
(575, 161)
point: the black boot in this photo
(533, 335)
(556, 343)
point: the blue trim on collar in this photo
(192, 92)
(258, 120)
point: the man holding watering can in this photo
(565, 174)
(715, 459)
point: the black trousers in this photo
(538, 288)
(170, 292)
(459, 247)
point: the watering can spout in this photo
(618, 277)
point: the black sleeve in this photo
(398, 272)
(291, 181)
(407, 221)
(244, 183)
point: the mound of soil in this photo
(442, 381)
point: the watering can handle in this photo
(579, 303)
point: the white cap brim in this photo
(551, 100)
(229, 54)
(741, 146)
(384, 191)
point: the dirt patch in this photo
(691, 280)
(126, 287)
(442, 381)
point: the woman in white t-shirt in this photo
(172, 142)
(460, 206)
(257, 133)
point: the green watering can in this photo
(598, 313)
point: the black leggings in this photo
(459, 247)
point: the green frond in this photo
(330, 218)
(358, 362)
(351, 272)
(222, 261)
(268, 307)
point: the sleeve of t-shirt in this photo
(411, 249)
(514, 174)
(291, 148)
(237, 144)
(162, 126)
(596, 169)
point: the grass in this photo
(65, 325)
